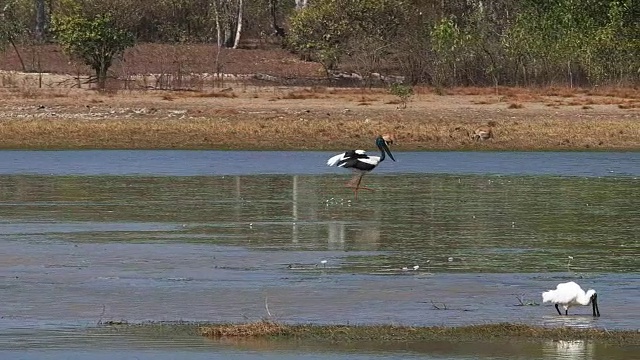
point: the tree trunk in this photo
(101, 75)
(24, 68)
(100, 82)
(217, 19)
(41, 21)
(239, 28)
(278, 30)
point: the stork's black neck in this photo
(382, 153)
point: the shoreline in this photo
(319, 119)
(332, 150)
(268, 330)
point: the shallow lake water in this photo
(239, 236)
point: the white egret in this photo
(571, 294)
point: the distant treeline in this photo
(435, 42)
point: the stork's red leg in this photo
(358, 187)
(355, 182)
(362, 187)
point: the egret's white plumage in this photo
(571, 294)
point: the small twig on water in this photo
(443, 307)
(104, 308)
(523, 301)
(266, 305)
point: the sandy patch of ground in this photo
(277, 117)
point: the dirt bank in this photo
(240, 116)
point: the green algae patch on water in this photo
(392, 333)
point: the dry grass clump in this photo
(301, 95)
(629, 105)
(367, 99)
(565, 92)
(595, 100)
(517, 93)
(472, 90)
(32, 93)
(485, 101)
(225, 93)
(357, 91)
(254, 329)
(620, 92)
(422, 90)
(523, 97)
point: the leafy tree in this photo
(8, 27)
(447, 45)
(327, 30)
(95, 41)
(586, 41)
(317, 31)
(11, 27)
(442, 43)
(403, 92)
(614, 45)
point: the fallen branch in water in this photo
(436, 307)
(104, 308)
(522, 301)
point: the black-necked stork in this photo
(361, 163)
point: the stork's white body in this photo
(361, 163)
(567, 295)
(357, 160)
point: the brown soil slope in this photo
(241, 113)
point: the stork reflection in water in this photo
(361, 163)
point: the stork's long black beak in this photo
(594, 304)
(386, 149)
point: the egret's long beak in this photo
(386, 149)
(594, 304)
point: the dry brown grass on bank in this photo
(254, 329)
(317, 119)
(390, 333)
(229, 130)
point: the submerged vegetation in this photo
(382, 333)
